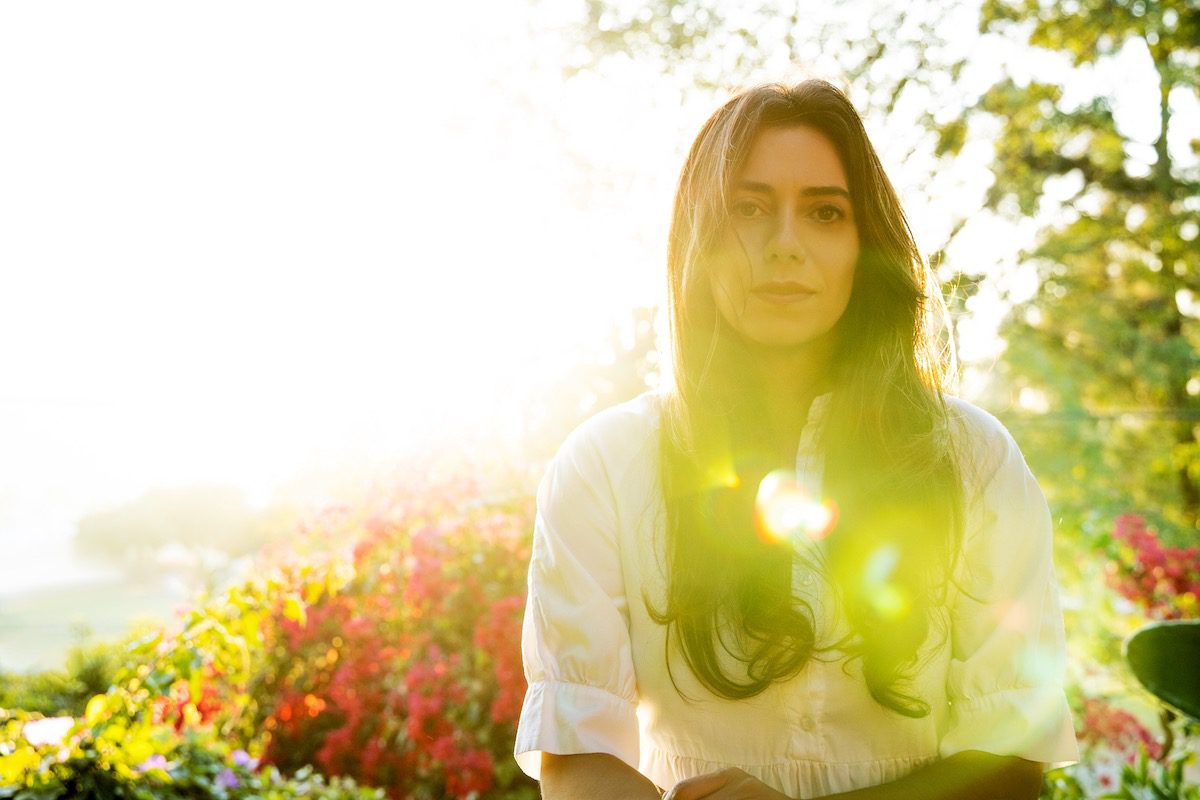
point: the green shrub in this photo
(91, 667)
(142, 762)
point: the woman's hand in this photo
(728, 784)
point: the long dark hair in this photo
(889, 464)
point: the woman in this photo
(803, 571)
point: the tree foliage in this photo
(215, 517)
(1109, 338)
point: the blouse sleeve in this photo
(1005, 680)
(575, 640)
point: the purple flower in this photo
(227, 779)
(156, 761)
(243, 759)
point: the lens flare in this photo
(886, 597)
(787, 511)
(722, 476)
(1014, 616)
(1039, 664)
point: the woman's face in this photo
(783, 273)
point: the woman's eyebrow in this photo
(809, 191)
(818, 191)
(754, 186)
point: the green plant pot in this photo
(1165, 657)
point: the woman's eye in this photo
(745, 209)
(828, 213)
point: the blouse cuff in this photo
(573, 718)
(1032, 723)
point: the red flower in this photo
(409, 676)
(1118, 729)
(1165, 581)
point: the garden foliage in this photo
(383, 650)
(89, 670)
(61, 758)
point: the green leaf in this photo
(1165, 657)
(293, 609)
(95, 709)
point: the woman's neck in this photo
(791, 378)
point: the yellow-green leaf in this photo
(293, 609)
(13, 767)
(95, 709)
(313, 591)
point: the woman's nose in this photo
(786, 242)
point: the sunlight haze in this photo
(249, 241)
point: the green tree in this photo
(194, 517)
(1108, 341)
(1104, 351)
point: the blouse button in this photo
(807, 723)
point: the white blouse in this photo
(598, 679)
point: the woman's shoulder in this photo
(632, 421)
(984, 446)
(613, 440)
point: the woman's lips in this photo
(783, 292)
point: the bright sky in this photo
(243, 240)
(240, 239)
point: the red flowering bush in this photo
(1105, 725)
(408, 676)
(178, 708)
(1120, 758)
(1162, 580)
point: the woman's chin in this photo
(793, 337)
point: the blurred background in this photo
(257, 256)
